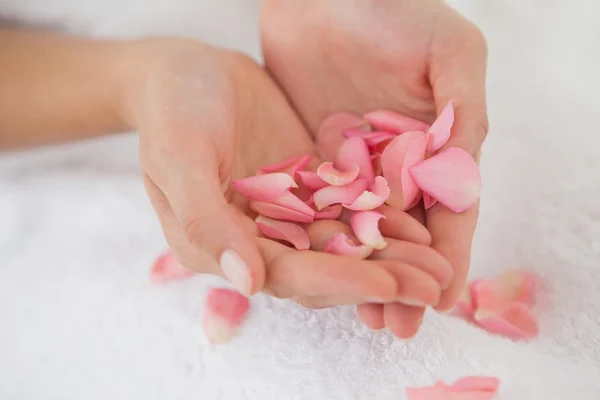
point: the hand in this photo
(406, 55)
(208, 116)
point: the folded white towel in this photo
(79, 320)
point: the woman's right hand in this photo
(206, 116)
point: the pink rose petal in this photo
(278, 212)
(336, 177)
(330, 212)
(329, 136)
(496, 294)
(311, 180)
(440, 129)
(428, 201)
(476, 383)
(339, 194)
(469, 388)
(355, 151)
(390, 121)
(452, 177)
(398, 157)
(371, 199)
(465, 303)
(286, 231)
(289, 166)
(264, 187)
(167, 268)
(371, 138)
(225, 310)
(342, 245)
(365, 225)
(515, 322)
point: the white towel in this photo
(79, 319)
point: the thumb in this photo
(207, 222)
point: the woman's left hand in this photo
(409, 56)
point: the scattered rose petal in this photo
(330, 137)
(398, 157)
(289, 166)
(264, 187)
(451, 177)
(440, 129)
(355, 151)
(225, 310)
(166, 268)
(512, 286)
(394, 122)
(336, 177)
(428, 201)
(371, 199)
(365, 225)
(516, 322)
(339, 194)
(342, 245)
(330, 212)
(286, 231)
(311, 180)
(469, 388)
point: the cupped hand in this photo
(409, 56)
(207, 117)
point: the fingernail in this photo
(236, 270)
(377, 300)
(411, 302)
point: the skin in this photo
(205, 116)
(411, 56)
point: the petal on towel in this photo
(515, 322)
(339, 194)
(355, 151)
(224, 312)
(311, 180)
(496, 294)
(428, 393)
(451, 177)
(166, 268)
(428, 201)
(468, 388)
(342, 245)
(371, 199)
(440, 129)
(365, 225)
(289, 166)
(398, 157)
(337, 177)
(330, 212)
(286, 231)
(488, 384)
(330, 137)
(264, 187)
(393, 122)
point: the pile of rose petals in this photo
(383, 157)
(468, 388)
(502, 305)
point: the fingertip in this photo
(371, 315)
(403, 321)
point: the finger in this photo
(319, 303)
(421, 257)
(292, 273)
(403, 321)
(415, 287)
(371, 315)
(418, 213)
(460, 78)
(400, 225)
(194, 193)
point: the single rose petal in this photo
(264, 187)
(465, 303)
(168, 268)
(355, 151)
(515, 322)
(476, 384)
(428, 393)
(371, 138)
(311, 180)
(390, 121)
(342, 245)
(339, 194)
(428, 201)
(225, 310)
(330, 212)
(330, 137)
(496, 294)
(289, 166)
(278, 212)
(365, 225)
(371, 199)
(440, 129)
(398, 157)
(336, 177)
(286, 231)
(451, 177)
